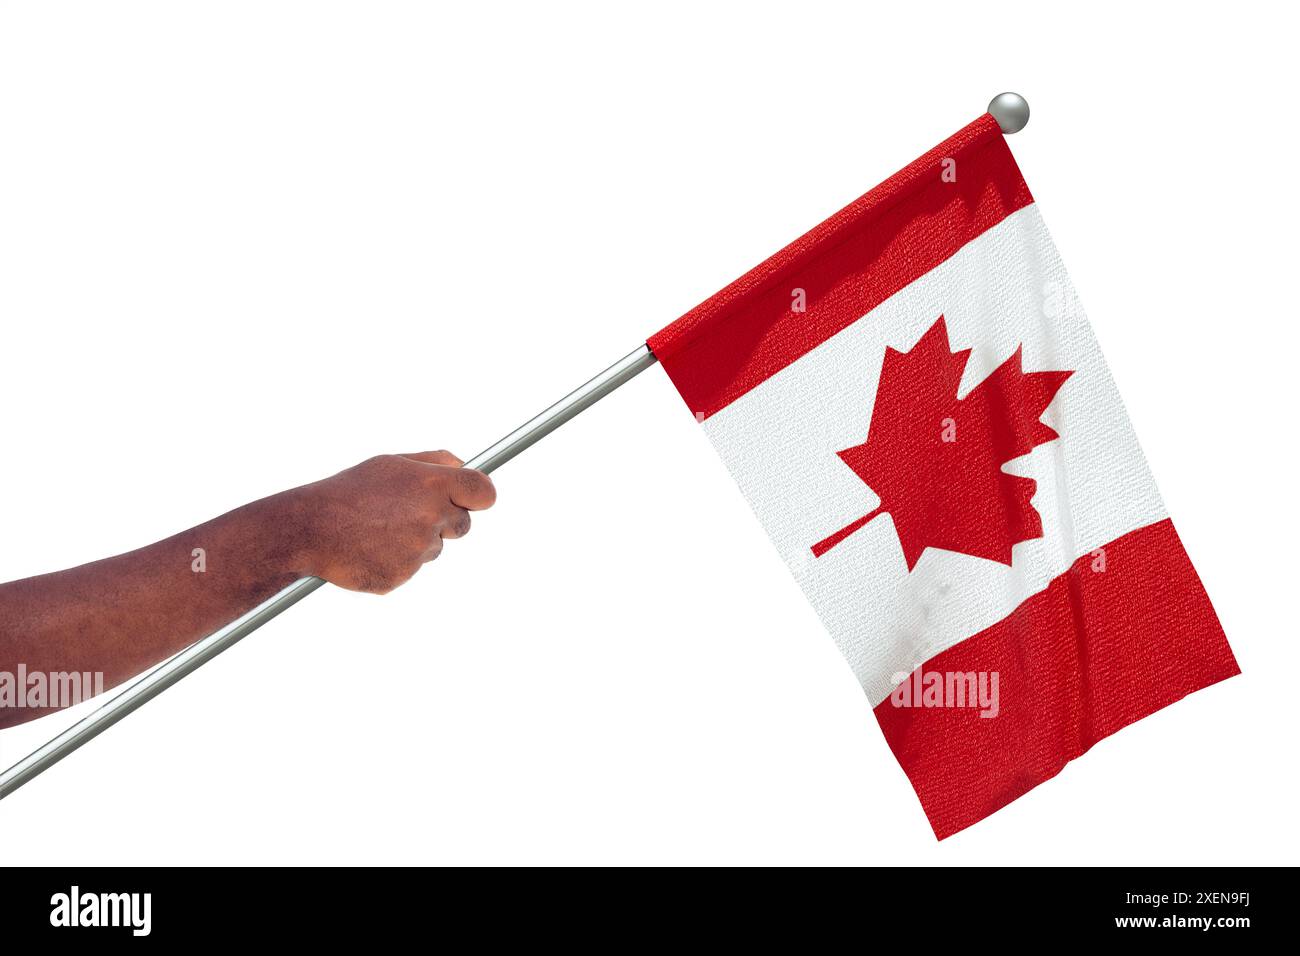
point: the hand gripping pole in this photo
(186, 662)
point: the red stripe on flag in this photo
(846, 266)
(1094, 652)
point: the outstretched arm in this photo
(368, 529)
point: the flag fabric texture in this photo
(913, 403)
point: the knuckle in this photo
(383, 466)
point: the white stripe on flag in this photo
(780, 439)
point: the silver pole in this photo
(199, 653)
(579, 400)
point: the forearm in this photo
(368, 528)
(119, 616)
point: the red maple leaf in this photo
(935, 461)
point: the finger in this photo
(433, 550)
(436, 458)
(472, 489)
(456, 524)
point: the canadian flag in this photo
(913, 403)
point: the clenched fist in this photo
(371, 527)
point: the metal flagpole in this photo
(199, 653)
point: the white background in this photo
(244, 245)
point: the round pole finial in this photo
(1011, 111)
